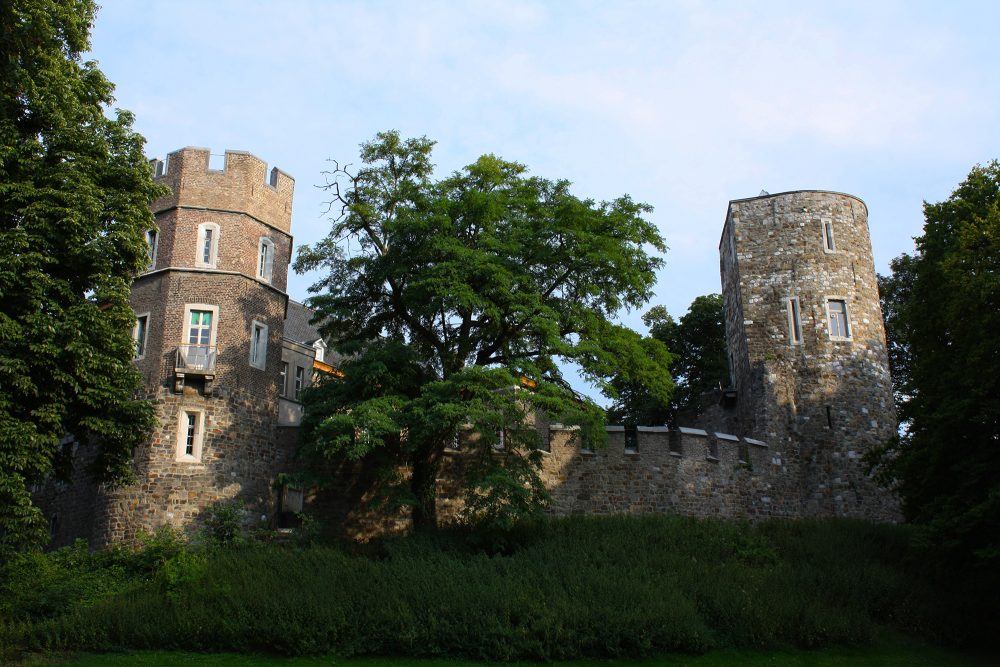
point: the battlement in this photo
(685, 470)
(243, 184)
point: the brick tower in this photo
(807, 344)
(211, 312)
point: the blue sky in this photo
(684, 105)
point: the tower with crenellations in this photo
(211, 316)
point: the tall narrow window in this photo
(208, 245)
(265, 259)
(794, 322)
(283, 380)
(828, 244)
(190, 435)
(199, 353)
(151, 242)
(258, 345)
(839, 322)
(139, 335)
(300, 380)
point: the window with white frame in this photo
(300, 380)
(139, 332)
(794, 321)
(207, 252)
(840, 326)
(198, 343)
(265, 258)
(151, 238)
(190, 435)
(828, 243)
(258, 345)
(283, 380)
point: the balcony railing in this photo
(195, 359)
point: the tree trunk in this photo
(423, 483)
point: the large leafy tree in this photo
(74, 204)
(942, 308)
(699, 364)
(456, 301)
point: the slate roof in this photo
(297, 326)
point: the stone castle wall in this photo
(824, 399)
(243, 185)
(239, 461)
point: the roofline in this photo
(782, 194)
(795, 192)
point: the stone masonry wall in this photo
(824, 400)
(239, 235)
(244, 185)
(239, 461)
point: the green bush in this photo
(584, 586)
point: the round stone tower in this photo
(807, 345)
(210, 312)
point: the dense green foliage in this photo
(75, 190)
(892, 652)
(699, 365)
(453, 294)
(942, 309)
(611, 586)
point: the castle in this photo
(224, 353)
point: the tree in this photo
(455, 301)
(75, 190)
(942, 315)
(699, 364)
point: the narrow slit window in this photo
(794, 322)
(208, 245)
(190, 435)
(265, 259)
(141, 327)
(828, 244)
(151, 242)
(283, 381)
(258, 345)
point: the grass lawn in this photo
(898, 652)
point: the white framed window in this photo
(283, 380)
(190, 435)
(300, 380)
(794, 321)
(258, 345)
(139, 334)
(840, 321)
(201, 321)
(151, 239)
(207, 250)
(265, 258)
(829, 245)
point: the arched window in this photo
(207, 251)
(265, 258)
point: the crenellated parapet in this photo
(689, 471)
(243, 183)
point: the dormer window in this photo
(265, 258)
(208, 245)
